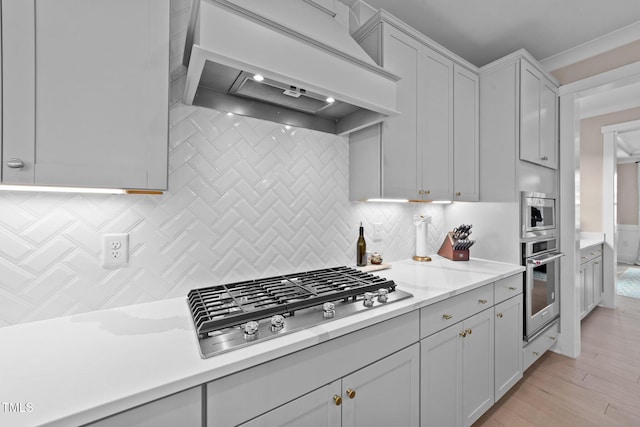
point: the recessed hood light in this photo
(291, 44)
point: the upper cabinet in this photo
(466, 135)
(518, 129)
(538, 117)
(415, 155)
(85, 93)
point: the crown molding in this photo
(594, 47)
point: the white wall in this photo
(495, 228)
(247, 198)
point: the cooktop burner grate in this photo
(223, 306)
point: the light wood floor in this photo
(599, 388)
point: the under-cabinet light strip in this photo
(35, 188)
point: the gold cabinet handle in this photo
(469, 331)
(421, 192)
(593, 253)
(337, 400)
(427, 192)
(552, 338)
(447, 316)
(463, 333)
(351, 393)
(535, 353)
(499, 315)
(511, 288)
(458, 194)
(584, 257)
(482, 301)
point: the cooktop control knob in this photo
(368, 299)
(328, 310)
(250, 331)
(383, 295)
(277, 323)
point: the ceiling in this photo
(482, 31)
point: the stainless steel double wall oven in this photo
(541, 258)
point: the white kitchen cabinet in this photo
(518, 129)
(538, 117)
(508, 344)
(181, 409)
(411, 156)
(590, 279)
(372, 361)
(316, 409)
(85, 99)
(466, 135)
(385, 393)
(539, 345)
(457, 372)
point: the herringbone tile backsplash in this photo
(247, 198)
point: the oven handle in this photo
(545, 258)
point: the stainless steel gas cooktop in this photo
(234, 315)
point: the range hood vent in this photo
(310, 72)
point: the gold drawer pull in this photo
(337, 400)
(552, 338)
(469, 331)
(458, 194)
(535, 353)
(499, 315)
(447, 316)
(511, 288)
(463, 333)
(482, 301)
(351, 393)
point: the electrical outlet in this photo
(377, 232)
(115, 250)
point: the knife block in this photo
(447, 251)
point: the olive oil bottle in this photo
(361, 249)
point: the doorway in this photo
(625, 140)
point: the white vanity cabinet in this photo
(85, 93)
(518, 129)
(411, 156)
(181, 409)
(384, 393)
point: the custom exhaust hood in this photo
(286, 61)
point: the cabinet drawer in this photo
(448, 312)
(507, 288)
(589, 254)
(537, 347)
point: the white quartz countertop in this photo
(590, 239)
(76, 369)
(585, 243)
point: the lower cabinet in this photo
(508, 344)
(590, 279)
(457, 372)
(181, 409)
(373, 371)
(385, 393)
